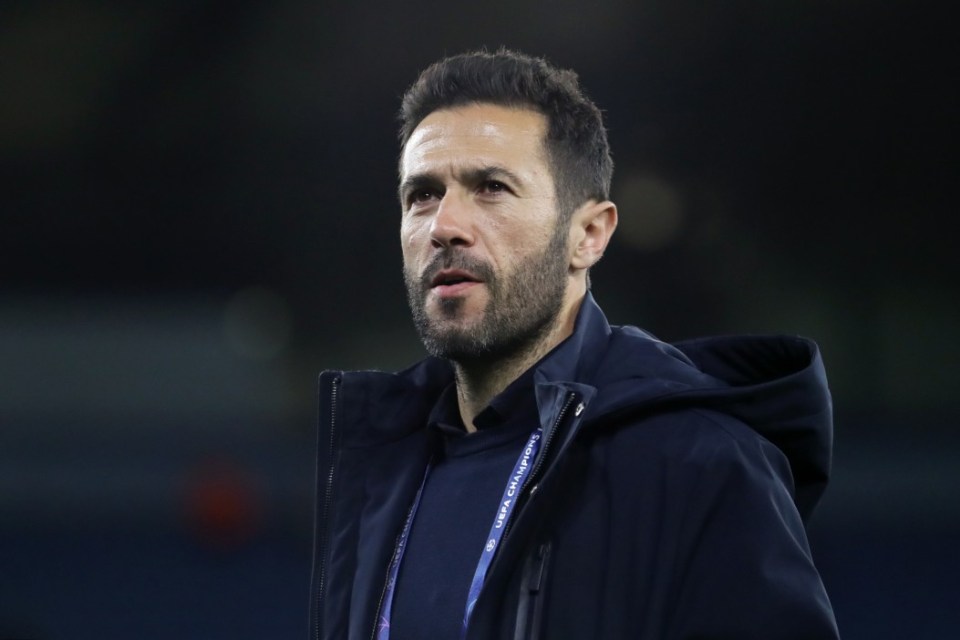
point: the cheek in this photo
(527, 239)
(411, 240)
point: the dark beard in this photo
(521, 309)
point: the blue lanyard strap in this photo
(507, 502)
(511, 492)
(386, 609)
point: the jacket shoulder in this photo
(694, 440)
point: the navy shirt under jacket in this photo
(460, 499)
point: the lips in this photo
(453, 282)
(451, 277)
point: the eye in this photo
(493, 186)
(420, 196)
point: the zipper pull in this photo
(535, 574)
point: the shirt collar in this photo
(517, 400)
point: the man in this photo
(543, 474)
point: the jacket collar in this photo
(387, 406)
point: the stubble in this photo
(521, 309)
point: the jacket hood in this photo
(775, 384)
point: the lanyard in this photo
(508, 501)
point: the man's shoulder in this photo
(686, 450)
(678, 431)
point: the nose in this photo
(453, 223)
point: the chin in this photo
(453, 327)
(457, 309)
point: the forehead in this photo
(476, 134)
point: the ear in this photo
(592, 226)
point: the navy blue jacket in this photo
(668, 500)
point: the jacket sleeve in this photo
(746, 571)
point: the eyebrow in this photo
(475, 175)
(415, 183)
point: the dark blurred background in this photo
(198, 215)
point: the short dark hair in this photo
(576, 140)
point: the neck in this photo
(479, 382)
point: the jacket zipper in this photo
(325, 512)
(543, 455)
(532, 617)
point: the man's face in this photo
(485, 260)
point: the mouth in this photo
(449, 277)
(448, 282)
